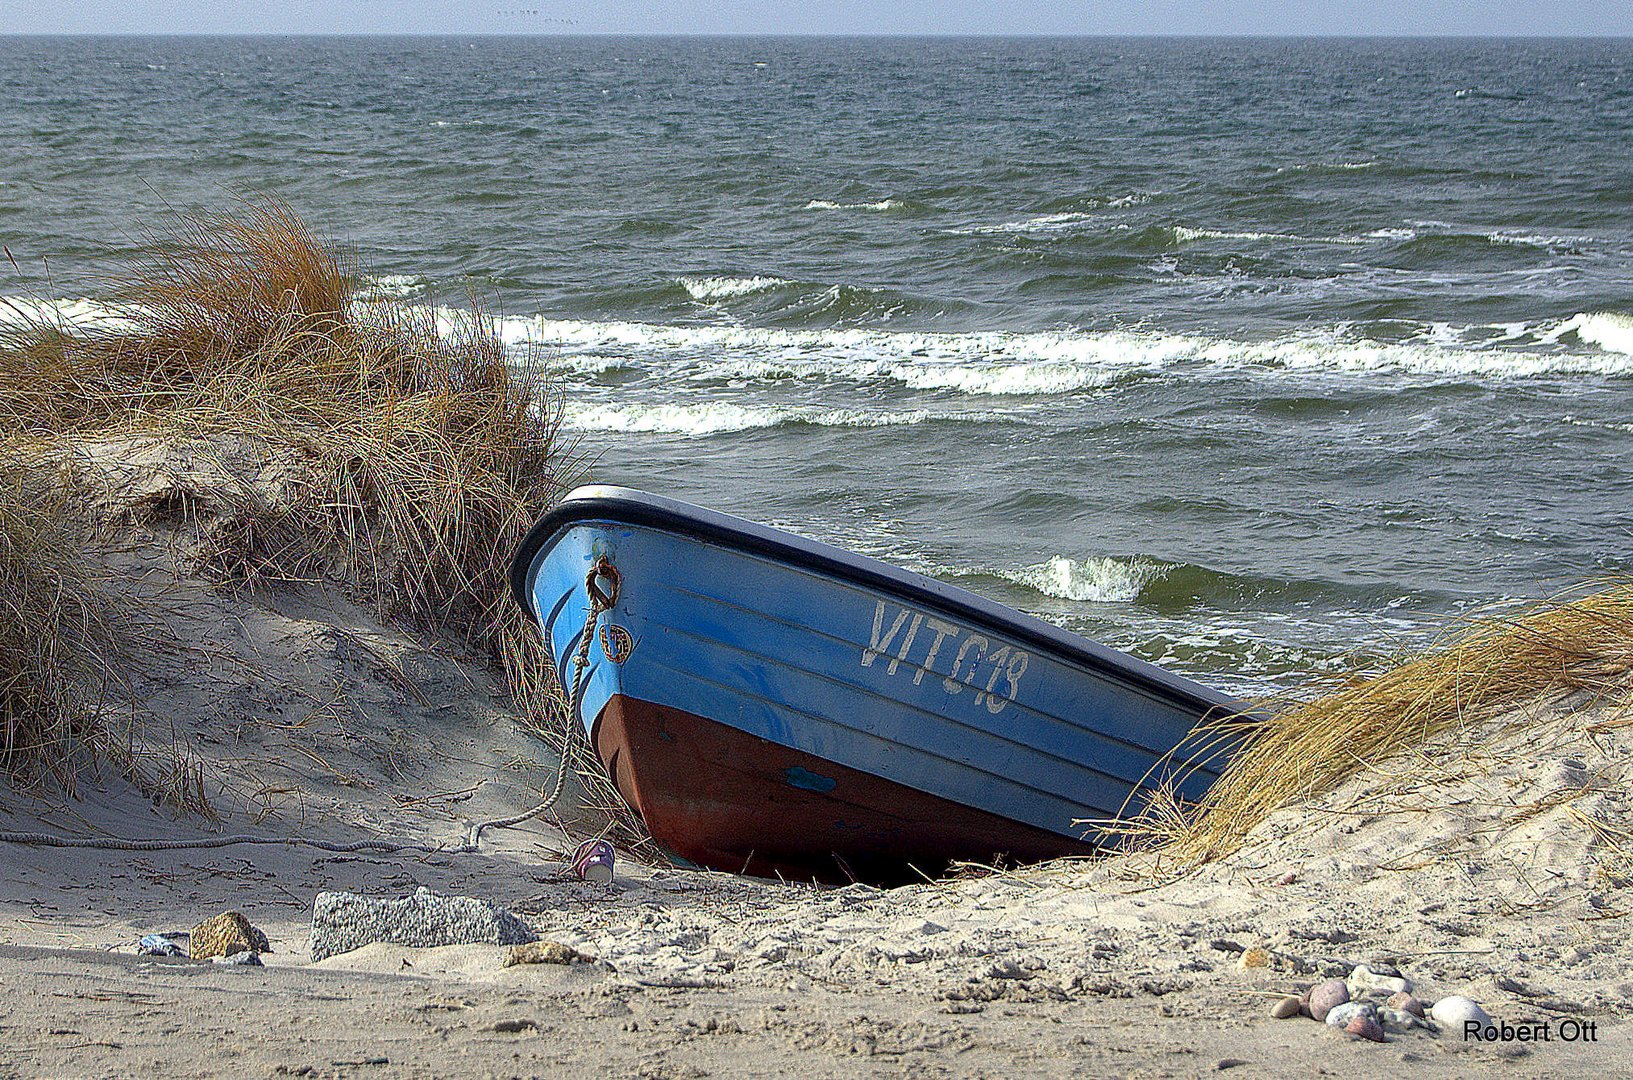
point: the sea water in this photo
(1256, 358)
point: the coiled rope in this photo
(599, 600)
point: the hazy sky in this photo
(1475, 17)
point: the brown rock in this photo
(1406, 1003)
(515, 1025)
(1256, 957)
(1287, 1007)
(1366, 1027)
(545, 952)
(1327, 996)
(224, 935)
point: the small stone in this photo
(1256, 957)
(1365, 1027)
(1452, 1012)
(224, 935)
(241, 959)
(1286, 1008)
(1365, 978)
(512, 1026)
(1400, 1019)
(1340, 1015)
(1228, 1063)
(545, 952)
(1405, 1002)
(1324, 997)
(1286, 879)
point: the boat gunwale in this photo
(638, 509)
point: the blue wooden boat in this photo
(773, 705)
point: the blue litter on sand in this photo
(159, 945)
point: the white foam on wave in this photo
(1603, 425)
(723, 288)
(1062, 221)
(1185, 235)
(826, 204)
(1540, 240)
(1002, 379)
(1091, 580)
(1043, 223)
(716, 417)
(81, 313)
(1329, 166)
(392, 286)
(1608, 330)
(1037, 362)
(589, 364)
(997, 379)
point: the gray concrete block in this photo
(344, 921)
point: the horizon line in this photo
(818, 35)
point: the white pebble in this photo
(1339, 1016)
(1452, 1012)
(1364, 978)
(1399, 1020)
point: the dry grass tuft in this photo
(410, 459)
(59, 633)
(1581, 642)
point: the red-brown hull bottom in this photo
(731, 801)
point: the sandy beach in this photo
(1490, 865)
(299, 547)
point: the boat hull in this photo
(721, 798)
(773, 704)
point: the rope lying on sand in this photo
(599, 601)
(114, 843)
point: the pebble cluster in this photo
(1374, 999)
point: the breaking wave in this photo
(713, 418)
(721, 288)
(1062, 361)
(883, 204)
(1092, 580)
(1608, 330)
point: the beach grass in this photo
(59, 634)
(414, 456)
(1501, 666)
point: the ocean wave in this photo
(81, 313)
(1185, 235)
(717, 417)
(1059, 221)
(1043, 223)
(1002, 379)
(721, 288)
(391, 286)
(1091, 580)
(1328, 166)
(1602, 425)
(593, 365)
(883, 204)
(995, 361)
(1608, 330)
